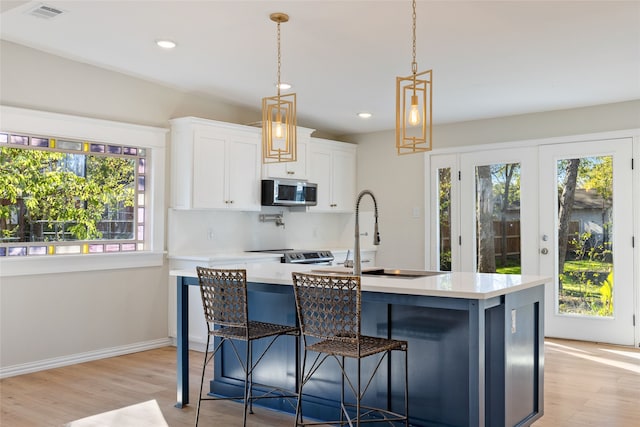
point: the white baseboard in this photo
(72, 359)
(195, 345)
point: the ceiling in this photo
(489, 59)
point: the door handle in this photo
(544, 251)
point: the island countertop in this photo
(452, 285)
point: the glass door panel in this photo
(585, 241)
(498, 222)
(498, 218)
(445, 255)
(444, 223)
(586, 223)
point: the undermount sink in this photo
(380, 272)
(400, 274)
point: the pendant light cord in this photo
(279, 59)
(414, 64)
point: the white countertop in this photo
(229, 257)
(244, 255)
(218, 259)
(452, 285)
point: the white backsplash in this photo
(209, 231)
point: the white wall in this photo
(40, 81)
(398, 181)
(57, 318)
(398, 184)
(548, 124)
(240, 231)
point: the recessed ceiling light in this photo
(284, 86)
(364, 115)
(166, 44)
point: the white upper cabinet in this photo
(332, 165)
(292, 170)
(214, 165)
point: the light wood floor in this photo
(586, 384)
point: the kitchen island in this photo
(476, 345)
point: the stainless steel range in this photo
(295, 256)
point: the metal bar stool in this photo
(224, 299)
(329, 312)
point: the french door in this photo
(479, 201)
(562, 210)
(586, 240)
(498, 227)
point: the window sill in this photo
(52, 264)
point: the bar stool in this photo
(224, 299)
(329, 312)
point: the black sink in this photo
(400, 274)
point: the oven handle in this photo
(313, 262)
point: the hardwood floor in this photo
(586, 384)
(589, 384)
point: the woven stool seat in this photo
(363, 347)
(256, 331)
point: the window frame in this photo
(152, 139)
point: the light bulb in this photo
(278, 132)
(278, 129)
(414, 112)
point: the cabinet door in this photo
(292, 170)
(210, 186)
(320, 173)
(344, 181)
(298, 169)
(244, 174)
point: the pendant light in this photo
(279, 117)
(413, 106)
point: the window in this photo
(70, 197)
(125, 232)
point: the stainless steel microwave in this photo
(289, 192)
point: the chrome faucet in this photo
(357, 264)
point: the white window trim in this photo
(153, 139)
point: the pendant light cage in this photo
(409, 90)
(279, 129)
(279, 117)
(414, 106)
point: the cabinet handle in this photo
(290, 173)
(231, 201)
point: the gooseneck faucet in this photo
(357, 265)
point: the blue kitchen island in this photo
(476, 345)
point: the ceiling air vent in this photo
(44, 11)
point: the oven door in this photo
(313, 262)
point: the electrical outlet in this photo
(210, 234)
(513, 321)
